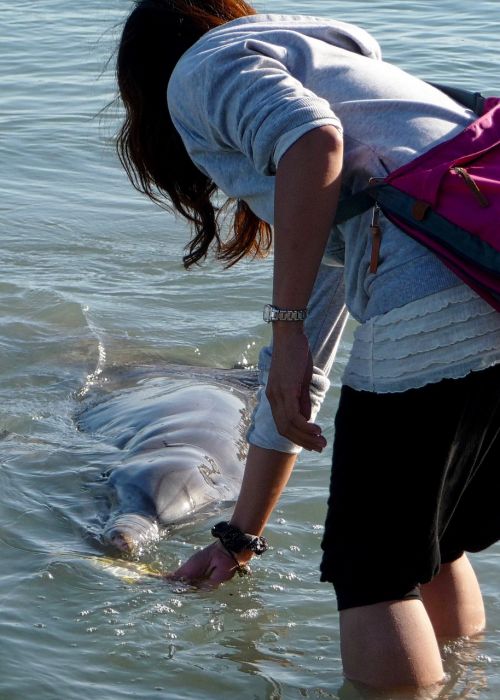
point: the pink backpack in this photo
(448, 199)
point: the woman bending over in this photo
(285, 115)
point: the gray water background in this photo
(92, 287)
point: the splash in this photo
(94, 377)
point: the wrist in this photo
(287, 329)
(237, 542)
(284, 336)
(241, 557)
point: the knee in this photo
(390, 645)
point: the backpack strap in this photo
(472, 100)
(354, 205)
(363, 200)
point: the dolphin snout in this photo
(129, 532)
(121, 541)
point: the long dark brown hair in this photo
(155, 35)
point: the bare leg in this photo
(454, 602)
(390, 645)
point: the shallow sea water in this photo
(92, 289)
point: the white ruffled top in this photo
(444, 335)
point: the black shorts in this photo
(415, 483)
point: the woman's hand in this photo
(288, 386)
(207, 568)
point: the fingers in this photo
(211, 580)
(205, 582)
(305, 401)
(291, 410)
(299, 431)
(191, 570)
(295, 428)
(206, 569)
(288, 389)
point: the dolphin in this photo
(181, 448)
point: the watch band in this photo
(274, 313)
(235, 540)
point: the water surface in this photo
(92, 289)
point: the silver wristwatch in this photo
(274, 313)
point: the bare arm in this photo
(307, 191)
(266, 475)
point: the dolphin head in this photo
(130, 532)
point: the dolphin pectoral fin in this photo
(130, 532)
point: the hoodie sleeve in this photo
(241, 98)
